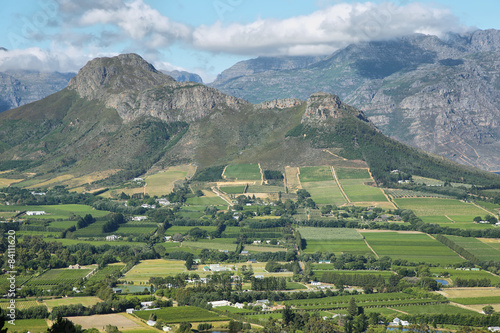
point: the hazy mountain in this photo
(441, 95)
(122, 114)
(22, 87)
(183, 76)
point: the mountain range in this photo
(438, 94)
(123, 117)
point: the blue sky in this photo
(208, 36)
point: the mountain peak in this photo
(125, 72)
(322, 106)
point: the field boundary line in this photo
(398, 311)
(449, 218)
(222, 196)
(465, 307)
(285, 183)
(261, 174)
(375, 253)
(298, 178)
(340, 186)
(389, 199)
(475, 204)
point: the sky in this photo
(208, 36)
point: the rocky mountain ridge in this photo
(438, 94)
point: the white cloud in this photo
(140, 22)
(325, 30)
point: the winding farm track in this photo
(221, 195)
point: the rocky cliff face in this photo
(22, 87)
(441, 95)
(135, 88)
(183, 76)
(322, 106)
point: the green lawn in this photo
(414, 247)
(243, 172)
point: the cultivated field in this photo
(85, 301)
(243, 172)
(357, 191)
(56, 211)
(451, 212)
(351, 173)
(239, 189)
(100, 321)
(414, 247)
(182, 314)
(315, 174)
(163, 182)
(292, 178)
(480, 250)
(58, 276)
(155, 267)
(334, 234)
(325, 192)
(27, 325)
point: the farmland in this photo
(155, 267)
(315, 174)
(414, 247)
(28, 325)
(243, 172)
(85, 301)
(182, 314)
(482, 251)
(163, 182)
(329, 234)
(351, 173)
(58, 276)
(336, 240)
(451, 212)
(57, 211)
(325, 192)
(357, 191)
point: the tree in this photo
(488, 309)
(63, 325)
(152, 316)
(352, 308)
(189, 262)
(184, 328)
(2, 323)
(287, 315)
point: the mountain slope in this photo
(120, 114)
(441, 95)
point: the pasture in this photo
(325, 192)
(414, 247)
(154, 267)
(238, 189)
(184, 229)
(182, 314)
(454, 213)
(57, 211)
(242, 172)
(85, 301)
(315, 174)
(27, 325)
(163, 182)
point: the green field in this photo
(25, 325)
(243, 172)
(477, 300)
(182, 314)
(414, 247)
(184, 229)
(21, 305)
(85, 301)
(324, 192)
(357, 191)
(163, 182)
(357, 247)
(102, 273)
(215, 245)
(315, 174)
(240, 189)
(58, 276)
(482, 251)
(434, 308)
(154, 267)
(464, 274)
(206, 201)
(351, 173)
(62, 224)
(432, 209)
(264, 189)
(329, 233)
(57, 211)
(66, 241)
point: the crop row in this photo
(373, 304)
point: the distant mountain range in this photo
(438, 94)
(122, 116)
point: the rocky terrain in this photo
(438, 94)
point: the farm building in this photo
(139, 218)
(77, 266)
(112, 237)
(238, 305)
(35, 212)
(325, 262)
(220, 303)
(397, 322)
(167, 238)
(315, 283)
(257, 242)
(147, 304)
(151, 322)
(117, 290)
(130, 311)
(148, 206)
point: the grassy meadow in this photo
(243, 172)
